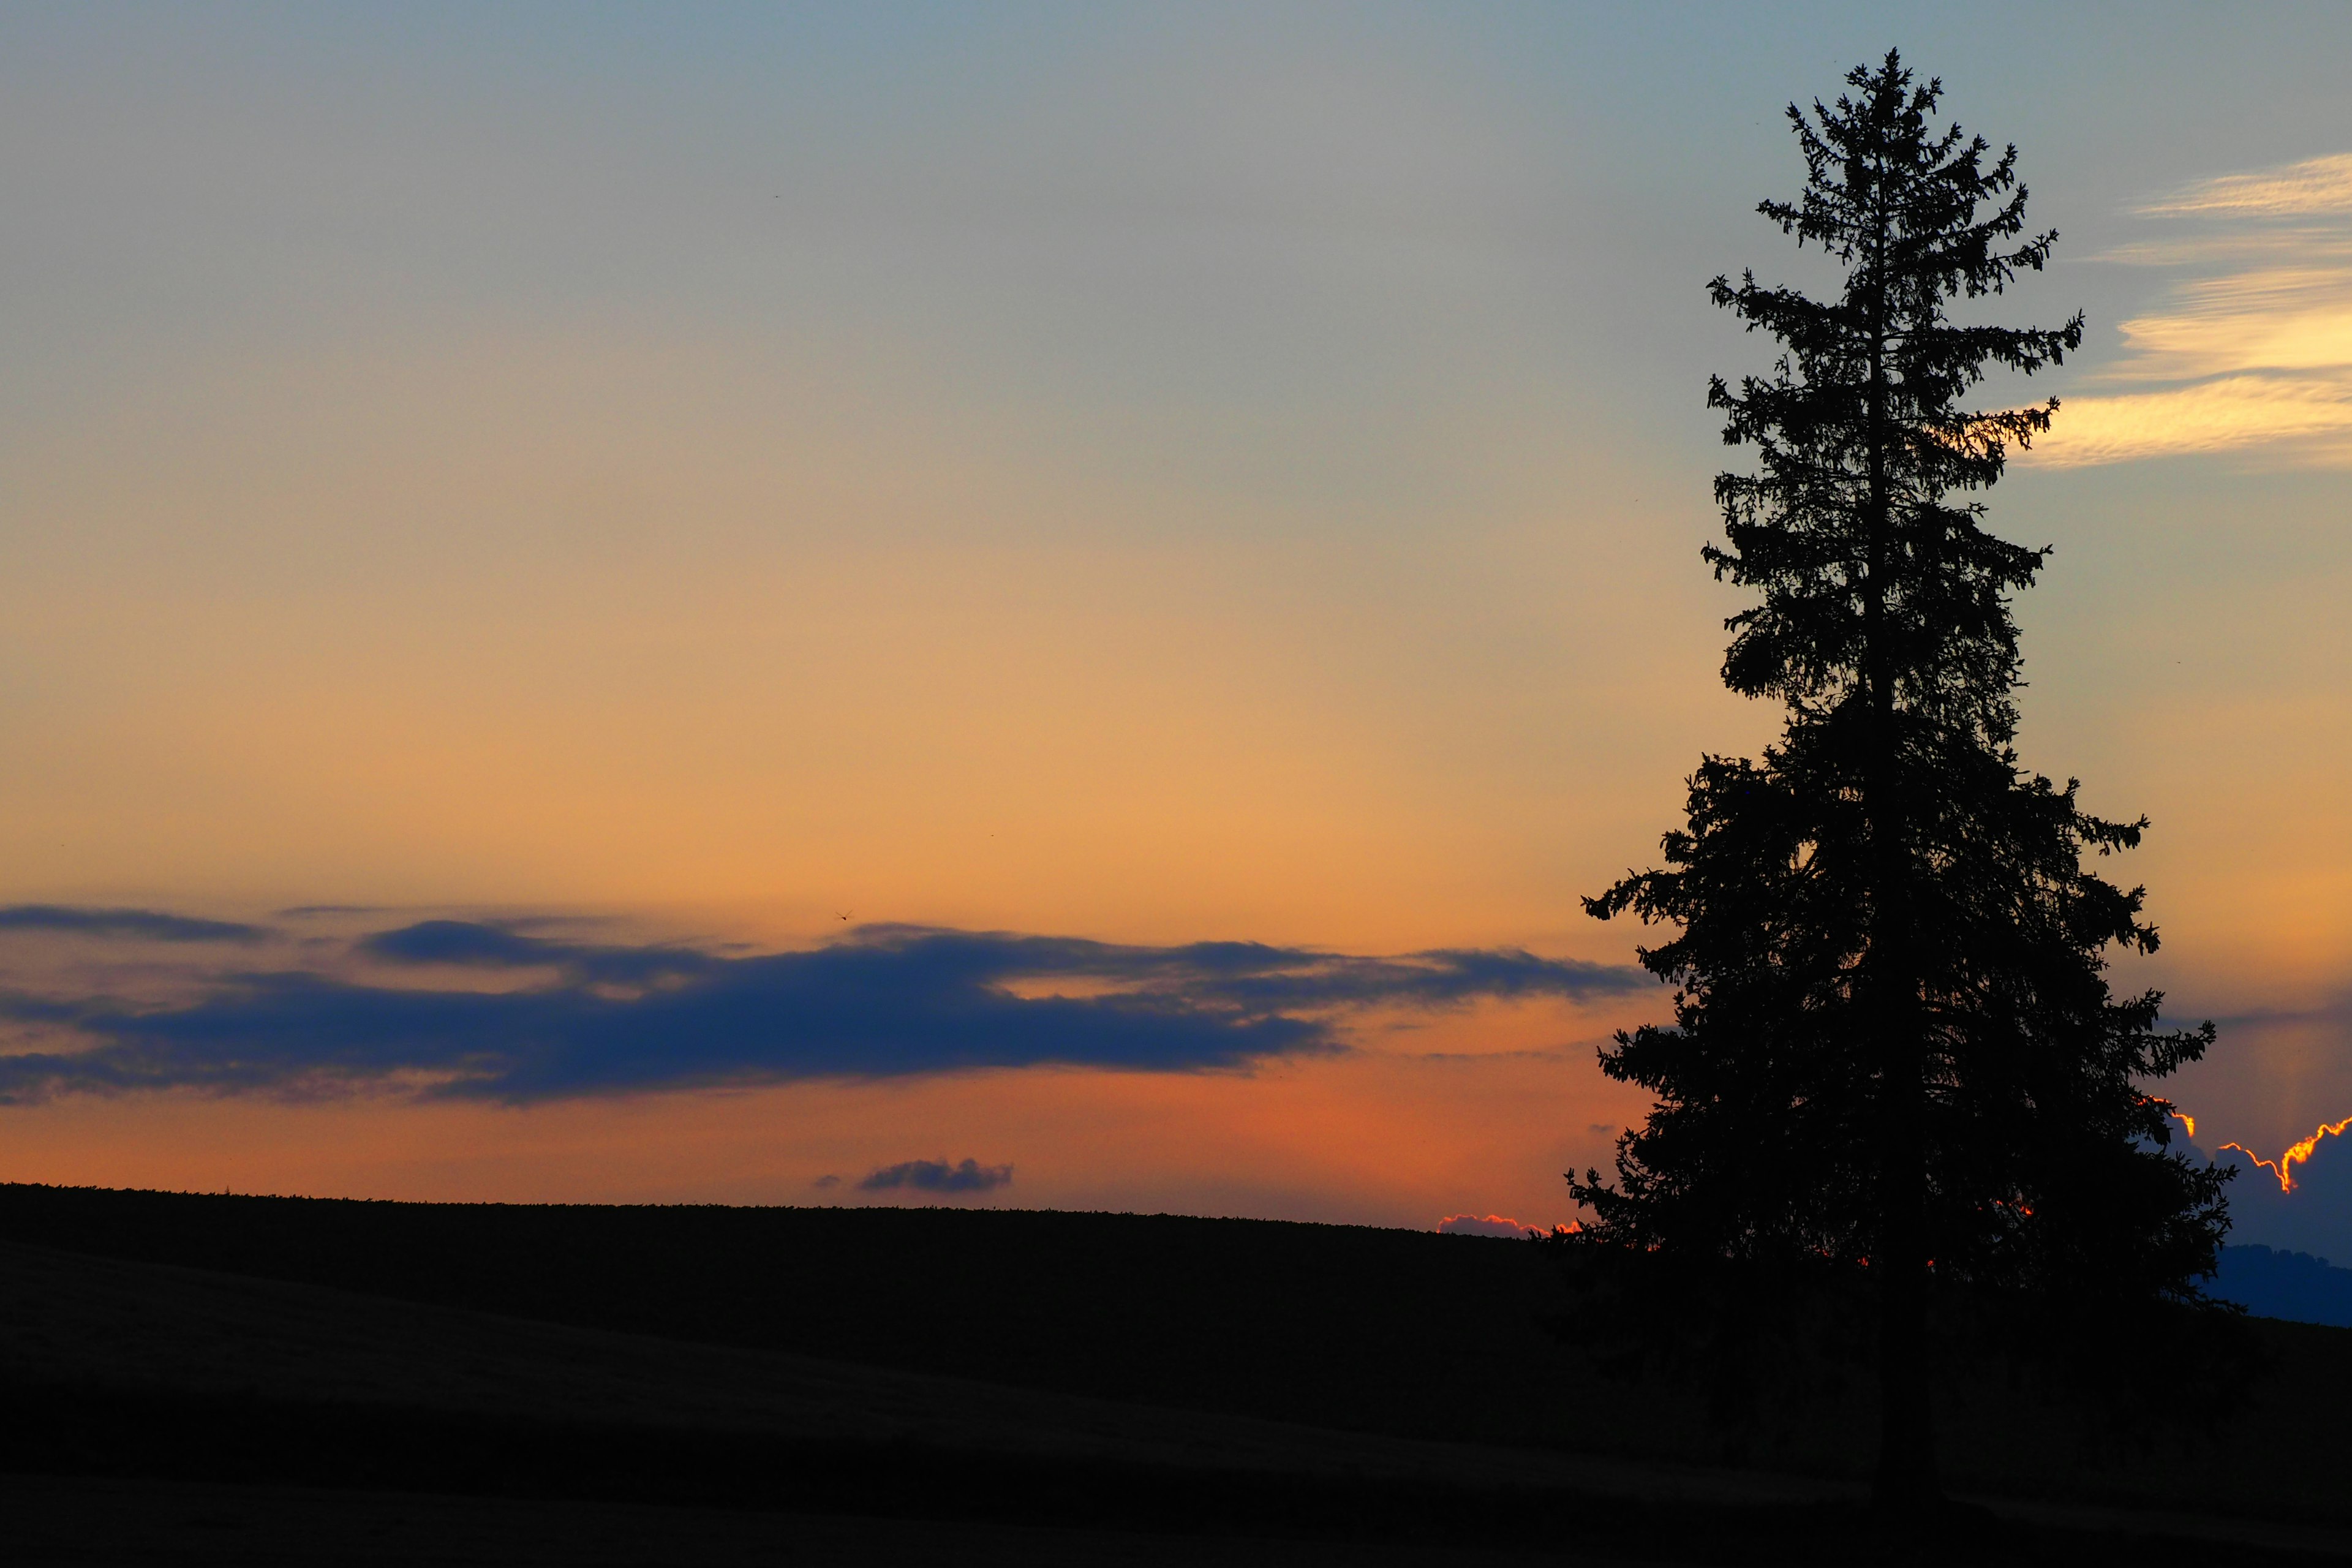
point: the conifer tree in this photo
(1894, 1050)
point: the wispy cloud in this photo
(2251, 353)
(2268, 318)
(556, 1018)
(2316, 185)
(147, 925)
(2222, 416)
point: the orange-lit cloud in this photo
(2294, 1154)
(2312, 414)
(2271, 319)
(2253, 357)
(1485, 1225)
(2314, 186)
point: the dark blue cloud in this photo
(149, 925)
(888, 1001)
(482, 945)
(938, 1177)
(454, 942)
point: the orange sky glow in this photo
(1185, 477)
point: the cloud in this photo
(2251, 352)
(884, 1002)
(2316, 1216)
(2295, 318)
(827, 1180)
(1482, 1225)
(2315, 186)
(2228, 414)
(456, 941)
(493, 946)
(148, 925)
(938, 1177)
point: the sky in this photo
(1050, 604)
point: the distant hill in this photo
(1387, 1330)
(2294, 1286)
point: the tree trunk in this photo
(1907, 1479)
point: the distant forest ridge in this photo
(2294, 1286)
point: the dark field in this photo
(417, 1383)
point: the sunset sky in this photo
(648, 603)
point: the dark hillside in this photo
(152, 1372)
(1404, 1334)
(1371, 1330)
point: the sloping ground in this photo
(92, 1322)
(1371, 1330)
(71, 1522)
(148, 1373)
(1094, 1350)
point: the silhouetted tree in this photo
(1895, 1051)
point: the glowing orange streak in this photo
(2186, 1121)
(2282, 1167)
